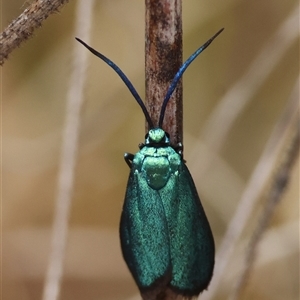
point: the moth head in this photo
(157, 136)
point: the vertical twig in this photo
(163, 58)
(68, 156)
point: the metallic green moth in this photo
(165, 236)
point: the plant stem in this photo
(163, 58)
(23, 27)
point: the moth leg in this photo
(141, 145)
(128, 159)
(179, 149)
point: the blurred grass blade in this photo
(68, 155)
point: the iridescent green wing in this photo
(144, 234)
(191, 239)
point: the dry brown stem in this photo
(22, 28)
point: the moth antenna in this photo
(124, 78)
(179, 74)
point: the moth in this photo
(166, 238)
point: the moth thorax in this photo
(156, 135)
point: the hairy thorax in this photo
(157, 165)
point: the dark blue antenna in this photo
(179, 74)
(124, 78)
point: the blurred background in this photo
(34, 87)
